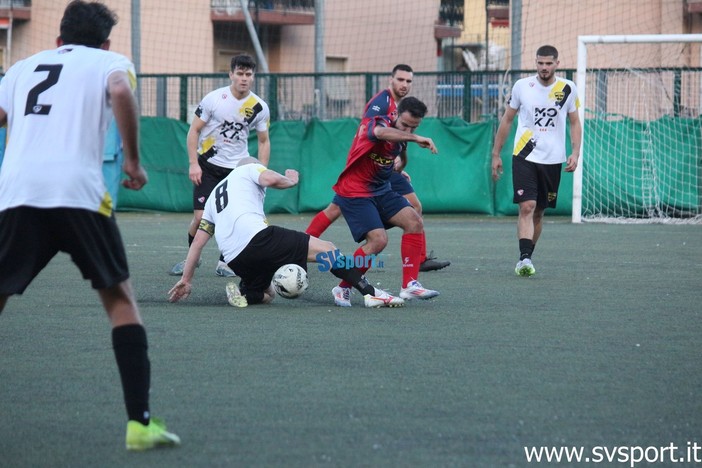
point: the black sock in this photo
(526, 248)
(190, 239)
(354, 277)
(130, 346)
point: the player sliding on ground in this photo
(255, 250)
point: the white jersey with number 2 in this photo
(58, 111)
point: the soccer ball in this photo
(290, 281)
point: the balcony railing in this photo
(280, 12)
(16, 9)
(451, 13)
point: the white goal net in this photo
(642, 118)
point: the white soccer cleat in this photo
(415, 290)
(382, 299)
(224, 270)
(525, 268)
(342, 296)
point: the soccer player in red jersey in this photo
(367, 201)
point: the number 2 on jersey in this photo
(33, 106)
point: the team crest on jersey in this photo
(552, 196)
(520, 192)
(559, 95)
(248, 112)
(376, 108)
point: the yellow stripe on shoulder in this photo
(132, 79)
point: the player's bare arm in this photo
(194, 169)
(126, 112)
(269, 178)
(398, 136)
(183, 288)
(500, 138)
(264, 148)
(3, 117)
(576, 132)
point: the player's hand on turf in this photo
(496, 167)
(195, 173)
(180, 291)
(136, 176)
(293, 175)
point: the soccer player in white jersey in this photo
(253, 249)
(218, 140)
(58, 104)
(543, 102)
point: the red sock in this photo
(424, 248)
(358, 253)
(318, 225)
(411, 250)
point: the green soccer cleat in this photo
(525, 268)
(141, 437)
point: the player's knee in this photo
(332, 212)
(527, 207)
(376, 241)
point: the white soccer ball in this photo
(290, 281)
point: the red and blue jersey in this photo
(370, 161)
(381, 104)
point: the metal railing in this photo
(286, 5)
(295, 96)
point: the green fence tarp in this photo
(455, 180)
(165, 159)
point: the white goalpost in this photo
(641, 111)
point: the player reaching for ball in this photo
(255, 250)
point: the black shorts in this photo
(532, 181)
(211, 176)
(269, 250)
(31, 237)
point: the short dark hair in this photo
(414, 106)
(87, 23)
(243, 61)
(403, 67)
(547, 51)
